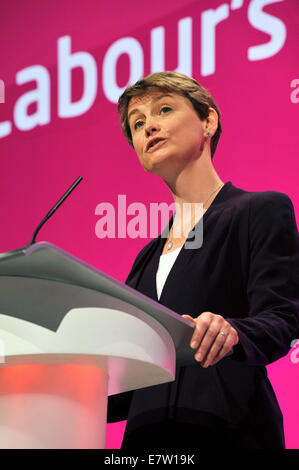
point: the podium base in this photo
(53, 406)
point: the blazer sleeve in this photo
(266, 333)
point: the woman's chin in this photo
(155, 168)
(157, 162)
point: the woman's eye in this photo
(165, 109)
(138, 124)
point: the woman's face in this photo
(166, 131)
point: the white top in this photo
(165, 264)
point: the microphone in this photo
(49, 214)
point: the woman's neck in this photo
(196, 183)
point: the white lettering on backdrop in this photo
(68, 60)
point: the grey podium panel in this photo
(45, 303)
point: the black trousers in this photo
(177, 436)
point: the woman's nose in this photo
(151, 128)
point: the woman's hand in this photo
(213, 338)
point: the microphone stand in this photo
(49, 214)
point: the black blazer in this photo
(246, 270)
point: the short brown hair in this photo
(173, 82)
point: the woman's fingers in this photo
(204, 332)
(190, 318)
(220, 348)
(209, 325)
(213, 338)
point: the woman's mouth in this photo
(155, 144)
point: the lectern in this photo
(70, 336)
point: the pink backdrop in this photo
(249, 64)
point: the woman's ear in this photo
(212, 121)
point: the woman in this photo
(239, 287)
